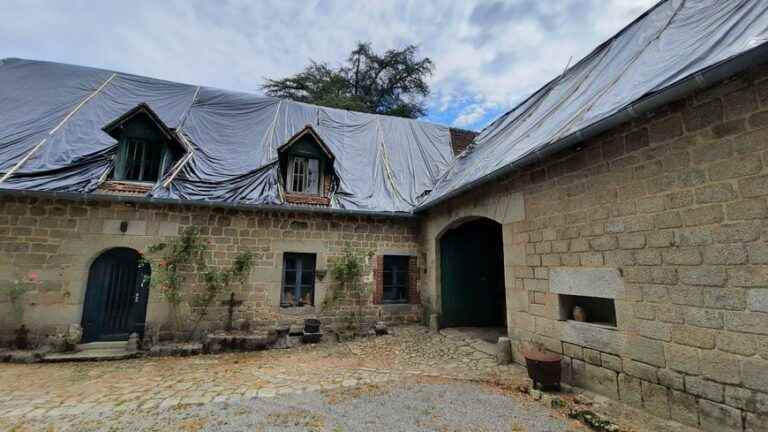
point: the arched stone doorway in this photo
(472, 275)
(116, 296)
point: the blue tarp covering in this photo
(52, 116)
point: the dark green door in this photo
(116, 296)
(472, 278)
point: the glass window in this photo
(139, 160)
(298, 280)
(304, 175)
(395, 283)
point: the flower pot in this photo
(311, 326)
(543, 368)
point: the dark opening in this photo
(472, 275)
(596, 310)
(298, 280)
(395, 289)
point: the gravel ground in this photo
(445, 407)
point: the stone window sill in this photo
(590, 324)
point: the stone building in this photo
(617, 217)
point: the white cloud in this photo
(489, 53)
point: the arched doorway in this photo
(116, 296)
(472, 275)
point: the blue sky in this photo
(488, 54)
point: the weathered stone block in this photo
(693, 336)
(715, 193)
(716, 417)
(592, 282)
(595, 378)
(684, 359)
(590, 336)
(682, 256)
(708, 318)
(708, 276)
(671, 379)
(755, 422)
(754, 208)
(754, 186)
(757, 299)
(747, 322)
(737, 232)
(746, 399)
(611, 362)
(755, 374)
(684, 408)
(749, 276)
(658, 239)
(656, 399)
(593, 357)
(669, 219)
(741, 166)
(573, 351)
(725, 254)
(705, 215)
(721, 367)
(704, 388)
(630, 391)
(641, 370)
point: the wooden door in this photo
(116, 296)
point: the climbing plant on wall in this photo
(180, 258)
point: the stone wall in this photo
(667, 216)
(59, 240)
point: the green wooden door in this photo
(472, 275)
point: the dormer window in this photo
(306, 166)
(141, 160)
(146, 151)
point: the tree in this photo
(394, 83)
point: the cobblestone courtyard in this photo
(412, 380)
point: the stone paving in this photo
(56, 397)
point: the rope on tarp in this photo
(53, 131)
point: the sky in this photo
(489, 55)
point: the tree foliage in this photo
(392, 83)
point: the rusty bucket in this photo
(543, 368)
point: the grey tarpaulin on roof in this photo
(674, 40)
(51, 139)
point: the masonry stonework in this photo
(59, 240)
(674, 204)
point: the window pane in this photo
(395, 279)
(307, 277)
(313, 176)
(307, 295)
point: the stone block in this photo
(704, 215)
(595, 378)
(603, 243)
(754, 208)
(591, 282)
(646, 350)
(630, 390)
(715, 193)
(632, 241)
(755, 422)
(658, 239)
(641, 370)
(736, 343)
(754, 374)
(724, 298)
(708, 318)
(735, 167)
(737, 232)
(747, 322)
(656, 399)
(573, 351)
(725, 254)
(716, 417)
(669, 219)
(757, 300)
(684, 359)
(707, 276)
(671, 379)
(682, 256)
(693, 336)
(610, 361)
(684, 408)
(754, 186)
(721, 367)
(746, 399)
(749, 276)
(591, 336)
(593, 357)
(704, 388)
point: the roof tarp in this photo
(672, 41)
(51, 135)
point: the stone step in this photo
(90, 355)
(102, 346)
